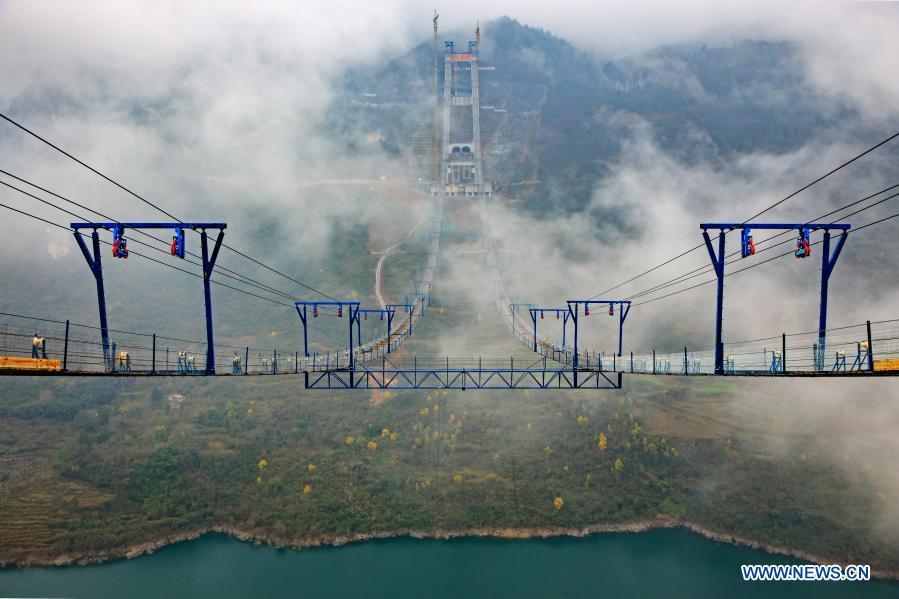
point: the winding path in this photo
(383, 257)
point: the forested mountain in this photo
(568, 111)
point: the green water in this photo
(662, 563)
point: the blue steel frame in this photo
(96, 266)
(410, 308)
(461, 379)
(352, 316)
(574, 306)
(514, 306)
(385, 311)
(562, 313)
(828, 261)
(418, 283)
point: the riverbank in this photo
(260, 537)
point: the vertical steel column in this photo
(623, 311)
(153, 364)
(302, 316)
(574, 358)
(208, 265)
(101, 297)
(870, 348)
(351, 358)
(96, 265)
(246, 365)
(822, 315)
(534, 319)
(65, 350)
(783, 352)
(389, 328)
(718, 264)
(827, 264)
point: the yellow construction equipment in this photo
(886, 364)
(13, 363)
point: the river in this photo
(659, 563)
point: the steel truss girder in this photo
(462, 379)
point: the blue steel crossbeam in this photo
(352, 317)
(387, 311)
(561, 313)
(410, 309)
(777, 226)
(515, 306)
(803, 250)
(140, 225)
(119, 250)
(574, 308)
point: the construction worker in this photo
(36, 344)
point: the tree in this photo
(307, 489)
(602, 442)
(263, 464)
(558, 503)
(457, 479)
(372, 445)
(311, 468)
(619, 465)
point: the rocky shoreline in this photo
(260, 537)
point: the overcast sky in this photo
(218, 103)
(851, 47)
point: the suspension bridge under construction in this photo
(553, 334)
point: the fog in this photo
(214, 111)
